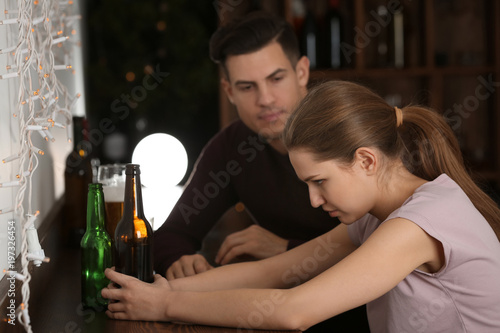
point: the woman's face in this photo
(343, 191)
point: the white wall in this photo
(48, 178)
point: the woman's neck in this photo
(401, 185)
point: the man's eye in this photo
(278, 78)
(319, 181)
(245, 88)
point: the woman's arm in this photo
(395, 249)
(281, 271)
(142, 301)
(389, 255)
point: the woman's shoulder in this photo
(440, 195)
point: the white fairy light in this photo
(36, 28)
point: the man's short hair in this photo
(250, 34)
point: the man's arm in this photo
(195, 213)
(254, 241)
(281, 271)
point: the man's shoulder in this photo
(236, 129)
(231, 135)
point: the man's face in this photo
(265, 88)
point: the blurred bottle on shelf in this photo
(333, 33)
(388, 37)
(399, 40)
(383, 40)
(309, 37)
(77, 177)
(298, 15)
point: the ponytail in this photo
(430, 148)
(345, 116)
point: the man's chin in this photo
(269, 135)
(272, 131)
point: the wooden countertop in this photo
(59, 308)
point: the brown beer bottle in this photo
(133, 234)
(77, 177)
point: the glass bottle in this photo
(77, 177)
(309, 38)
(333, 36)
(133, 234)
(96, 251)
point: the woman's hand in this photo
(136, 300)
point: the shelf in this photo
(403, 72)
(449, 46)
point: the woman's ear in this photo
(367, 160)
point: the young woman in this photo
(419, 241)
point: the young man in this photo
(264, 77)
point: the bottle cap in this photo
(132, 169)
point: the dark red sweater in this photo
(236, 166)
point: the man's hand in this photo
(188, 265)
(135, 300)
(254, 241)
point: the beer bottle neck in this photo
(132, 205)
(95, 207)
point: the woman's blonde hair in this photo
(338, 117)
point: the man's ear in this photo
(302, 70)
(226, 85)
(367, 160)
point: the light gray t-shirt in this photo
(464, 295)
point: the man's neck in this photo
(278, 145)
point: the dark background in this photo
(125, 36)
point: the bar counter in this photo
(59, 308)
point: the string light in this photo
(43, 135)
(62, 67)
(38, 259)
(69, 132)
(6, 210)
(38, 20)
(24, 174)
(9, 75)
(31, 219)
(7, 50)
(37, 150)
(11, 183)
(35, 251)
(10, 158)
(17, 275)
(35, 128)
(56, 124)
(49, 136)
(33, 28)
(24, 318)
(9, 21)
(59, 40)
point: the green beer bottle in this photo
(96, 251)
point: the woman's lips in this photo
(333, 213)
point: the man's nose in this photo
(265, 96)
